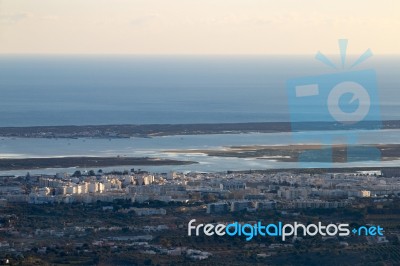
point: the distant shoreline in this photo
(154, 130)
(80, 162)
(291, 153)
(317, 170)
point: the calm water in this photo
(55, 90)
(163, 147)
(79, 90)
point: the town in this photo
(142, 217)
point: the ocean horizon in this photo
(99, 90)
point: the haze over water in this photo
(81, 90)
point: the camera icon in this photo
(347, 98)
(320, 105)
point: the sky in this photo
(198, 27)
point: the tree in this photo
(77, 174)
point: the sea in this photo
(39, 90)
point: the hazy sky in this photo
(198, 26)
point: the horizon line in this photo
(181, 54)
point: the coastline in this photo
(65, 162)
(154, 130)
(291, 153)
